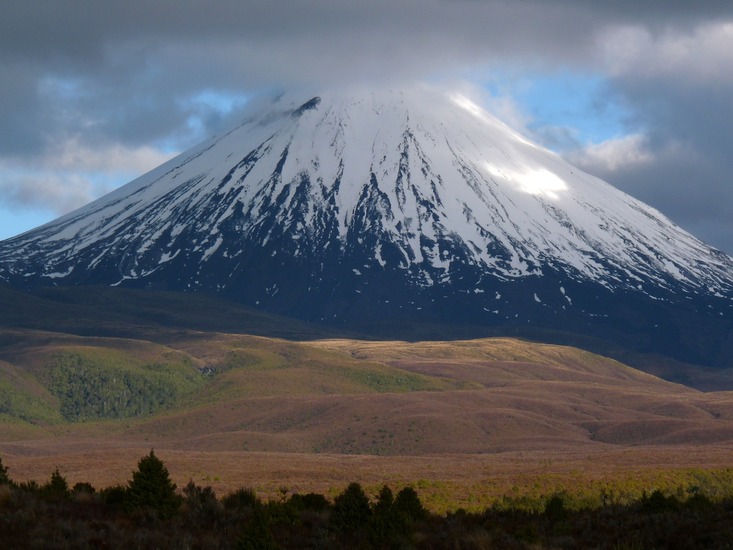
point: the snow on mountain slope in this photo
(433, 167)
(322, 207)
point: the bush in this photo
(30, 486)
(657, 502)
(115, 496)
(386, 524)
(555, 508)
(309, 501)
(105, 384)
(83, 488)
(256, 534)
(152, 489)
(201, 503)
(242, 499)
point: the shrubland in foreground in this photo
(149, 512)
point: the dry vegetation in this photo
(663, 508)
(467, 421)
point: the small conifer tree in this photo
(408, 504)
(57, 487)
(151, 488)
(4, 477)
(385, 526)
(351, 509)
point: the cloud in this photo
(678, 82)
(123, 71)
(52, 191)
(701, 55)
(102, 84)
(613, 154)
(73, 175)
(692, 189)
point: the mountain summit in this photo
(394, 205)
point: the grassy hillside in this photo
(23, 398)
(233, 392)
(46, 377)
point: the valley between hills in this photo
(463, 419)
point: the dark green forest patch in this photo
(100, 384)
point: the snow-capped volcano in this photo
(399, 203)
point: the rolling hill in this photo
(314, 410)
(227, 392)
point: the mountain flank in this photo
(373, 211)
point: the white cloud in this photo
(72, 155)
(613, 154)
(44, 189)
(72, 174)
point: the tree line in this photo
(149, 511)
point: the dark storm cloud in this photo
(691, 178)
(19, 111)
(136, 56)
(679, 86)
(128, 73)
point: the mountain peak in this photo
(409, 204)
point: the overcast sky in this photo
(637, 92)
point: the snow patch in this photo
(59, 275)
(213, 248)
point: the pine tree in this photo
(57, 487)
(385, 525)
(152, 489)
(351, 510)
(408, 504)
(4, 477)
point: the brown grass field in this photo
(463, 421)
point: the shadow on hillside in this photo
(158, 315)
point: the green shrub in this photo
(387, 524)
(83, 487)
(256, 534)
(699, 502)
(201, 503)
(30, 486)
(115, 497)
(309, 501)
(242, 499)
(555, 509)
(657, 502)
(23, 398)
